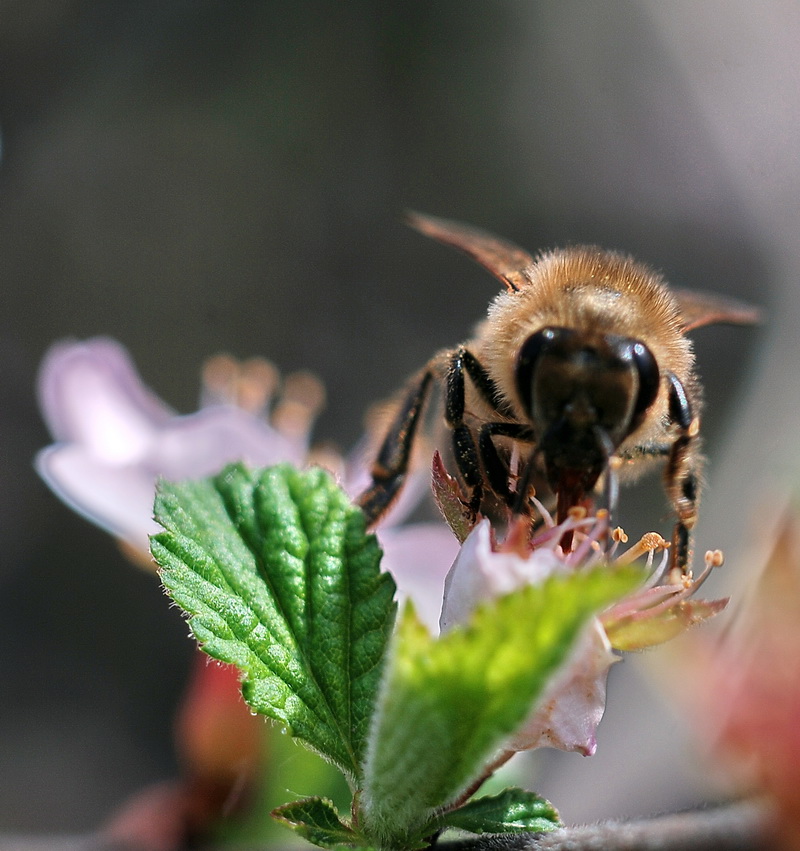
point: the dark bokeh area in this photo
(206, 176)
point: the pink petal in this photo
(117, 498)
(117, 438)
(418, 556)
(91, 393)
(200, 444)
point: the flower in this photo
(114, 438)
(568, 713)
(743, 686)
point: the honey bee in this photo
(581, 367)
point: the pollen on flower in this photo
(618, 535)
(664, 606)
(648, 544)
(578, 512)
(586, 530)
(713, 559)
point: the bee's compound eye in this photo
(649, 378)
(527, 359)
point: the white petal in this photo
(466, 583)
(568, 714)
(479, 574)
(90, 393)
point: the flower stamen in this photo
(648, 543)
(546, 516)
(249, 385)
(591, 541)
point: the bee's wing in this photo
(504, 260)
(699, 308)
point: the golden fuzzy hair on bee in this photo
(593, 291)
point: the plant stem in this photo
(742, 826)
(490, 769)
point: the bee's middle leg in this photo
(464, 449)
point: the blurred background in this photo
(207, 176)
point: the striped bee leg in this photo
(475, 460)
(497, 472)
(465, 450)
(681, 477)
(390, 468)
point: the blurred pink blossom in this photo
(742, 686)
(114, 438)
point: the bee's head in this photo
(584, 393)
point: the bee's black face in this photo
(584, 394)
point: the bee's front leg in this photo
(497, 471)
(390, 467)
(470, 456)
(682, 474)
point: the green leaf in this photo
(448, 704)
(317, 820)
(278, 577)
(511, 811)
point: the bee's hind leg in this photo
(390, 467)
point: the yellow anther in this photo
(648, 542)
(619, 535)
(654, 541)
